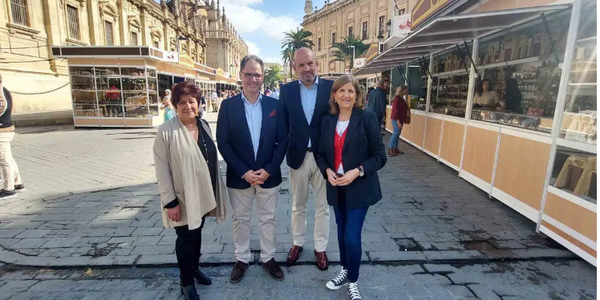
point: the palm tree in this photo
(343, 52)
(294, 40)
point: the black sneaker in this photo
(273, 269)
(353, 292)
(338, 281)
(19, 187)
(4, 194)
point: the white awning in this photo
(443, 32)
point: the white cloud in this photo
(250, 20)
(275, 27)
(272, 59)
(244, 18)
(253, 48)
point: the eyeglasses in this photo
(253, 75)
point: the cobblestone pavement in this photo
(491, 281)
(427, 214)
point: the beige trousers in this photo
(10, 170)
(299, 179)
(266, 202)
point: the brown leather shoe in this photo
(322, 262)
(238, 271)
(273, 269)
(294, 254)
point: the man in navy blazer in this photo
(252, 140)
(304, 103)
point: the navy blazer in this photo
(363, 145)
(299, 131)
(235, 143)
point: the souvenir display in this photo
(449, 95)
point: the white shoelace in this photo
(341, 277)
(353, 291)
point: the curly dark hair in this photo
(184, 88)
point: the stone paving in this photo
(427, 214)
(533, 280)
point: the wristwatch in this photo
(361, 171)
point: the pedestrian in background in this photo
(10, 169)
(400, 115)
(252, 141)
(304, 102)
(167, 106)
(351, 151)
(378, 101)
(189, 182)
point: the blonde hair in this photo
(340, 82)
(400, 89)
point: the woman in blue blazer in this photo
(350, 153)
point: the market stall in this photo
(528, 138)
(120, 86)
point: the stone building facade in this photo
(226, 48)
(365, 19)
(29, 29)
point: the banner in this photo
(401, 25)
(171, 56)
(359, 62)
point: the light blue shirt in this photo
(309, 100)
(254, 119)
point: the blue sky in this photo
(262, 23)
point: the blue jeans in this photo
(349, 229)
(395, 136)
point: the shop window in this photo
(108, 28)
(19, 12)
(450, 83)
(319, 44)
(365, 33)
(350, 31)
(333, 38)
(73, 19)
(521, 75)
(381, 25)
(134, 38)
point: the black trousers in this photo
(187, 249)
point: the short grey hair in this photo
(251, 57)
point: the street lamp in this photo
(180, 38)
(353, 57)
(388, 26)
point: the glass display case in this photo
(83, 92)
(450, 83)
(575, 164)
(113, 94)
(522, 67)
(449, 95)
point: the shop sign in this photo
(401, 25)
(426, 8)
(171, 56)
(359, 62)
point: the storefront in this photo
(121, 86)
(531, 143)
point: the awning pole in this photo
(463, 63)
(470, 56)
(552, 42)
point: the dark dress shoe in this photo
(273, 269)
(202, 278)
(294, 254)
(189, 292)
(322, 262)
(238, 271)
